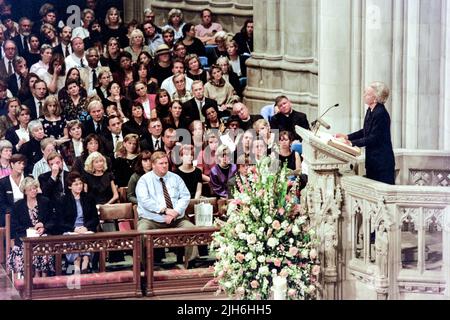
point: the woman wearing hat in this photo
(163, 65)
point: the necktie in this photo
(157, 144)
(97, 128)
(25, 44)
(94, 79)
(167, 199)
(40, 108)
(67, 53)
(10, 68)
(81, 63)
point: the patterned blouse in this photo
(73, 112)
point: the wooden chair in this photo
(122, 213)
(122, 194)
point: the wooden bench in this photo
(177, 281)
(102, 285)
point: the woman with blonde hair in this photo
(98, 181)
(262, 130)
(137, 45)
(175, 22)
(114, 27)
(123, 165)
(220, 90)
(53, 122)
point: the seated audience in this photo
(142, 166)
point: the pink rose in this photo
(292, 292)
(289, 263)
(240, 257)
(281, 211)
(237, 202)
(293, 251)
(315, 270)
(276, 225)
(254, 284)
(288, 198)
(277, 262)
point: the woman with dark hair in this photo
(73, 148)
(56, 74)
(174, 120)
(9, 119)
(179, 51)
(95, 38)
(123, 165)
(212, 120)
(34, 54)
(191, 175)
(79, 216)
(137, 123)
(19, 134)
(111, 55)
(147, 100)
(92, 143)
(286, 155)
(116, 98)
(75, 105)
(193, 44)
(25, 91)
(145, 58)
(244, 38)
(163, 103)
(142, 166)
(141, 74)
(124, 76)
(74, 74)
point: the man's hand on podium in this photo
(343, 138)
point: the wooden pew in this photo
(177, 281)
(102, 285)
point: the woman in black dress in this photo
(92, 143)
(123, 165)
(175, 120)
(114, 27)
(192, 176)
(98, 181)
(163, 103)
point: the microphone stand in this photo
(316, 123)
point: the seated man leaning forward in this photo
(162, 198)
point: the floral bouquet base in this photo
(266, 235)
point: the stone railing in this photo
(396, 239)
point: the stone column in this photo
(284, 59)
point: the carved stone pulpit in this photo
(323, 201)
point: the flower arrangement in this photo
(267, 234)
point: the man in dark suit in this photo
(376, 135)
(192, 109)
(152, 139)
(98, 123)
(113, 137)
(54, 183)
(21, 39)
(287, 119)
(36, 103)
(6, 63)
(16, 79)
(65, 47)
(246, 120)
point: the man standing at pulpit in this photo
(375, 135)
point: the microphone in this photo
(320, 122)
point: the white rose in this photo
(268, 220)
(251, 239)
(291, 241)
(253, 265)
(263, 270)
(284, 224)
(295, 230)
(240, 228)
(272, 242)
(243, 236)
(249, 256)
(261, 259)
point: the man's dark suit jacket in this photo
(6, 199)
(32, 106)
(19, 44)
(69, 214)
(376, 137)
(88, 127)
(12, 84)
(58, 49)
(190, 108)
(288, 123)
(53, 189)
(147, 143)
(32, 151)
(108, 146)
(20, 220)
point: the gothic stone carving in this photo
(439, 178)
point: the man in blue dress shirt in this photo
(162, 198)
